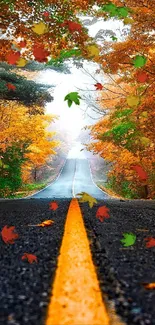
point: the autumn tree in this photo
(126, 136)
(25, 143)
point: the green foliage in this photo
(28, 92)
(123, 113)
(10, 170)
(64, 54)
(124, 188)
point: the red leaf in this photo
(98, 86)
(140, 171)
(46, 14)
(102, 212)
(11, 86)
(142, 76)
(73, 26)
(40, 53)
(53, 206)
(12, 57)
(22, 44)
(8, 234)
(150, 242)
(30, 257)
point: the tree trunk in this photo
(35, 174)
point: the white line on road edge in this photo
(29, 196)
(93, 180)
(55, 179)
(73, 192)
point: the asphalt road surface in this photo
(74, 178)
(25, 288)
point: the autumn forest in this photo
(38, 34)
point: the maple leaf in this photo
(133, 100)
(46, 14)
(140, 171)
(30, 257)
(150, 242)
(98, 86)
(113, 38)
(73, 97)
(53, 206)
(139, 61)
(102, 212)
(40, 28)
(142, 76)
(21, 63)
(149, 285)
(72, 26)
(12, 57)
(128, 240)
(8, 234)
(11, 86)
(22, 44)
(46, 223)
(40, 53)
(85, 197)
(92, 51)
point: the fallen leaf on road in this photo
(45, 223)
(85, 197)
(30, 257)
(149, 285)
(53, 205)
(128, 240)
(150, 242)
(8, 235)
(102, 212)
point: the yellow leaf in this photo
(145, 141)
(133, 100)
(85, 197)
(21, 62)
(40, 28)
(128, 21)
(144, 114)
(93, 50)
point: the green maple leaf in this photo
(139, 61)
(73, 97)
(111, 8)
(128, 240)
(122, 11)
(113, 38)
(85, 197)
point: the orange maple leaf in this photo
(150, 242)
(98, 86)
(149, 285)
(53, 206)
(46, 223)
(140, 171)
(11, 86)
(22, 44)
(30, 257)
(8, 234)
(12, 57)
(142, 76)
(72, 26)
(40, 53)
(102, 212)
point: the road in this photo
(74, 178)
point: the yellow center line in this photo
(76, 298)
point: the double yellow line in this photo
(76, 298)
